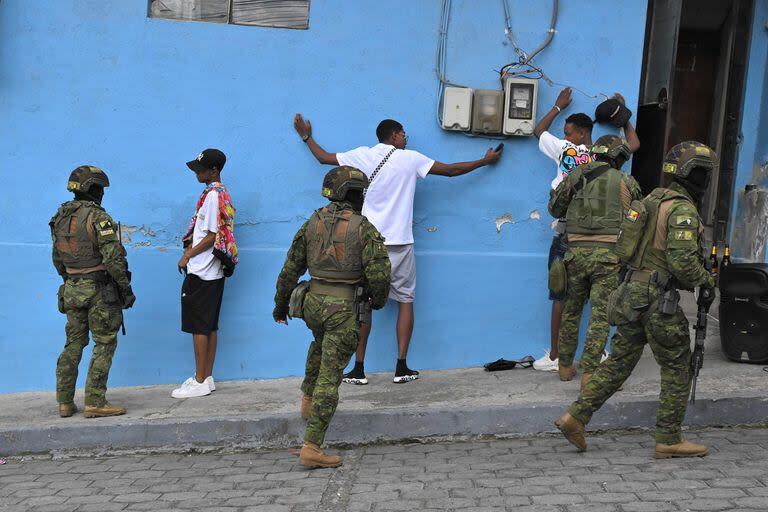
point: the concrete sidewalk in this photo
(463, 402)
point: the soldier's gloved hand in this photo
(705, 295)
(280, 315)
(128, 297)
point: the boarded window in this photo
(265, 13)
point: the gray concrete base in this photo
(465, 402)
(445, 403)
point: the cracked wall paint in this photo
(504, 219)
(126, 232)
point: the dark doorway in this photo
(692, 89)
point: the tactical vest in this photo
(334, 247)
(74, 236)
(596, 206)
(648, 257)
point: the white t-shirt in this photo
(205, 265)
(389, 201)
(566, 154)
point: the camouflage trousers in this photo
(640, 322)
(593, 273)
(86, 311)
(336, 332)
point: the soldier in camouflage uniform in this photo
(593, 199)
(664, 254)
(88, 255)
(342, 251)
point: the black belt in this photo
(100, 276)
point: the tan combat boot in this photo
(312, 456)
(91, 411)
(566, 372)
(684, 449)
(67, 410)
(584, 379)
(306, 405)
(573, 430)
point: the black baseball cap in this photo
(207, 160)
(613, 112)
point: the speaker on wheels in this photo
(744, 312)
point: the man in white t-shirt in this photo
(392, 171)
(567, 153)
(203, 288)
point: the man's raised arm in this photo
(304, 129)
(562, 101)
(459, 168)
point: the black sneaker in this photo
(355, 377)
(407, 375)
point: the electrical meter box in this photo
(520, 105)
(488, 111)
(457, 108)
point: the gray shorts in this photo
(403, 283)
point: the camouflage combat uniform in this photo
(673, 259)
(88, 255)
(341, 249)
(593, 208)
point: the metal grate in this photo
(265, 13)
(271, 13)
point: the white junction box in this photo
(457, 108)
(520, 105)
(487, 111)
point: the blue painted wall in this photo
(96, 81)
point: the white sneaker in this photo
(545, 364)
(211, 384)
(191, 388)
(604, 356)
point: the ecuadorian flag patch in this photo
(632, 215)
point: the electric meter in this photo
(457, 108)
(520, 105)
(487, 111)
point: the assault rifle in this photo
(697, 360)
(119, 293)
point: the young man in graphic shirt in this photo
(392, 171)
(568, 153)
(203, 287)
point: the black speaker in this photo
(744, 312)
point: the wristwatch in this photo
(306, 137)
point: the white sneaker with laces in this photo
(211, 384)
(545, 364)
(604, 356)
(191, 389)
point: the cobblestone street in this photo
(617, 474)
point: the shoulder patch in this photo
(632, 215)
(670, 168)
(106, 232)
(683, 220)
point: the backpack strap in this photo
(592, 175)
(378, 168)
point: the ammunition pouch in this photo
(60, 299)
(110, 293)
(669, 297)
(296, 302)
(558, 277)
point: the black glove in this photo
(128, 297)
(280, 314)
(706, 296)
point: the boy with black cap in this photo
(209, 256)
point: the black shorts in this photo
(557, 251)
(201, 304)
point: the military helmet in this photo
(683, 158)
(341, 180)
(612, 147)
(86, 176)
